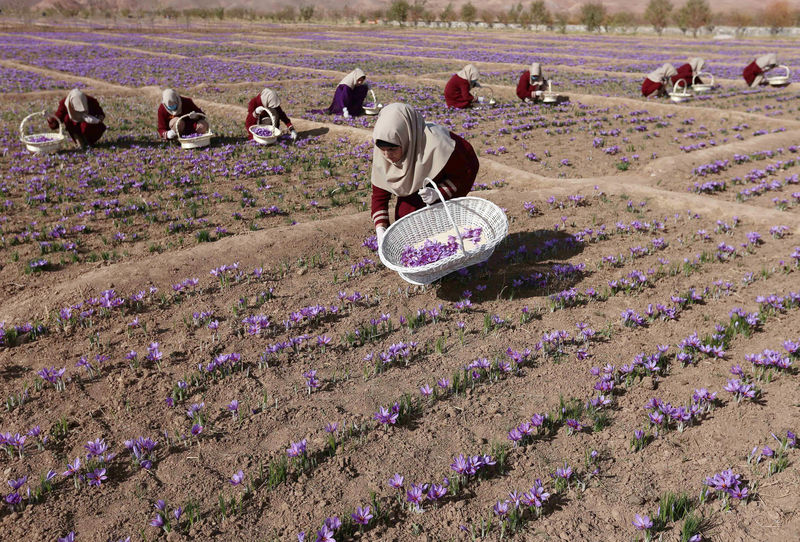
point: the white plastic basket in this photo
(42, 142)
(266, 139)
(376, 107)
(680, 95)
(483, 91)
(548, 96)
(706, 86)
(779, 80)
(194, 142)
(458, 213)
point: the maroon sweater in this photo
(751, 71)
(164, 116)
(454, 180)
(254, 104)
(456, 93)
(90, 132)
(524, 87)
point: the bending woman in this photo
(456, 92)
(754, 72)
(257, 113)
(657, 80)
(82, 117)
(171, 109)
(348, 100)
(686, 72)
(407, 150)
(531, 82)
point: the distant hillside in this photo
(751, 7)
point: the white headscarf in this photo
(77, 105)
(536, 69)
(170, 98)
(427, 149)
(659, 75)
(697, 64)
(351, 78)
(269, 98)
(767, 61)
(471, 74)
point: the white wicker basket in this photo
(548, 96)
(485, 92)
(194, 142)
(266, 140)
(423, 224)
(680, 95)
(779, 80)
(705, 86)
(50, 141)
(376, 107)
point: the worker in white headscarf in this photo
(686, 72)
(348, 100)
(531, 83)
(172, 108)
(407, 150)
(754, 72)
(457, 90)
(659, 80)
(82, 116)
(265, 108)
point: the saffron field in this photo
(203, 344)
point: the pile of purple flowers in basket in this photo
(262, 132)
(191, 136)
(433, 251)
(39, 138)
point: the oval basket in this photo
(376, 108)
(703, 87)
(490, 92)
(682, 95)
(780, 80)
(51, 141)
(195, 142)
(458, 213)
(266, 140)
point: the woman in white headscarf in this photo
(531, 83)
(754, 72)
(658, 80)
(348, 100)
(172, 108)
(456, 91)
(686, 72)
(259, 109)
(82, 116)
(407, 150)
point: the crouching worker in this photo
(348, 100)
(259, 109)
(456, 91)
(754, 72)
(531, 83)
(658, 81)
(82, 116)
(407, 150)
(172, 108)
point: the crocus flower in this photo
(362, 515)
(237, 478)
(642, 523)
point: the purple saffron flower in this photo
(97, 477)
(296, 449)
(642, 523)
(396, 481)
(237, 478)
(362, 515)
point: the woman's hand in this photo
(380, 232)
(428, 195)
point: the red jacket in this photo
(751, 71)
(454, 180)
(524, 87)
(164, 116)
(254, 104)
(91, 132)
(649, 87)
(456, 93)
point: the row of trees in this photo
(692, 16)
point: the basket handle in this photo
(428, 180)
(187, 114)
(271, 117)
(44, 114)
(678, 83)
(374, 99)
(696, 76)
(785, 68)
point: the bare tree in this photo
(657, 14)
(695, 14)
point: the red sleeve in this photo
(163, 121)
(251, 120)
(524, 89)
(380, 206)
(283, 118)
(94, 108)
(459, 173)
(751, 71)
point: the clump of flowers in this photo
(432, 251)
